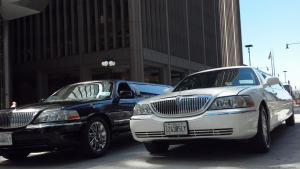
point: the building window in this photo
(61, 28)
(92, 25)
(176, 77)
(152, 74)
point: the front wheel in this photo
(96, 137)
(260, 143)
(157, 147)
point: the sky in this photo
(269, 25)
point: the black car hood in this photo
(57, 105)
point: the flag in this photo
(270, 56)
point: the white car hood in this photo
(213, 92)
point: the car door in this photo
(272, 102)
(270, 96)
(125, 106)
(284, 102)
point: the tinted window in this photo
(98, 91)
(219, 78)
(261, 75)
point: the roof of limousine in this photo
(117, 80)
(222, 68)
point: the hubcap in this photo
(97, 136)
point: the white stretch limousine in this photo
(240, 103)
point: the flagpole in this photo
(273, 56)
(270, 56)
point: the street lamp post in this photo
(249, 46)
(108, 62)
(284, 76)
(287, 45)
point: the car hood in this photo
(37, 107)
(211, 92)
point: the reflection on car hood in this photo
(54, 105)
(213, 92)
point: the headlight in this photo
(232, 102)
(57, 115)
(142, 109)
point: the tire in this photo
(96, 138)
(291, 120)
(260, 143)
(14, 155)
(156, 147)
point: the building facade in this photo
(158, 41)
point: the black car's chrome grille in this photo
(15, 119)
(181, 105)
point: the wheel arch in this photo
(264, 104)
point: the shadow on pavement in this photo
(213, 153)
(69, 157)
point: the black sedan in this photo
(84, 115)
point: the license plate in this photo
(176, 128)
(5, 139)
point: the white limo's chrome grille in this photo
(192, 133)
(153, 134)
(180, 105)
(16, 119)
(212, 132)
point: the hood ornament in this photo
(178, 100)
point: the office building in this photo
(158, 41)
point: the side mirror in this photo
(167, 91)
(126, 94)
(271, 81)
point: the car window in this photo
(261, 75)
(124, 87)
(97, 91)
(219, 78)
(245, 77)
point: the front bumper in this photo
(43, 137)
(224, 124)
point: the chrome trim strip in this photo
(226, 113)
(120, 121)
(193, 133)
(39, 126)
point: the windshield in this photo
(219, 78)
(87, 91)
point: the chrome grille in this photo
(212, 132)
(16, 119)
(180, 105)
(192, 133)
